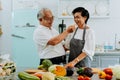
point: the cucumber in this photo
(62, 78)
(26, 76)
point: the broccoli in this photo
(45, 64)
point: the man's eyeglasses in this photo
(48, 18)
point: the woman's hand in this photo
(70, 64)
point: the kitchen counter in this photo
(74, 77)
(107, 53)
(94, 77)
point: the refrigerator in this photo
(24, 52)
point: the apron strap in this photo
(83, 33)
(75, 32)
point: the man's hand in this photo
(71, 28)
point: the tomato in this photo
(87, 78)
(80, 77)
(108, 71)
(108, 77)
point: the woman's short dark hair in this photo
(83, 11)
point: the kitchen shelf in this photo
(96, 8)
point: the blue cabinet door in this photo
(24, 51)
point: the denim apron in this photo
(76, 46)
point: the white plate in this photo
(102, 9)
(87, 5)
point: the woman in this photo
(82, 42)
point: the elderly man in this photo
(48, 40)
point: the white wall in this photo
(105, 28)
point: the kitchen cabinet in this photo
(106, 61)
(95, 62)
(96, 8)
(102, 60)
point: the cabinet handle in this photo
(17, 36)
(94, 59)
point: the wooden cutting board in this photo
(95, 70)
(32, 71)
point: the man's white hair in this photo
(41, 13)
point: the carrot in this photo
(38, 75)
